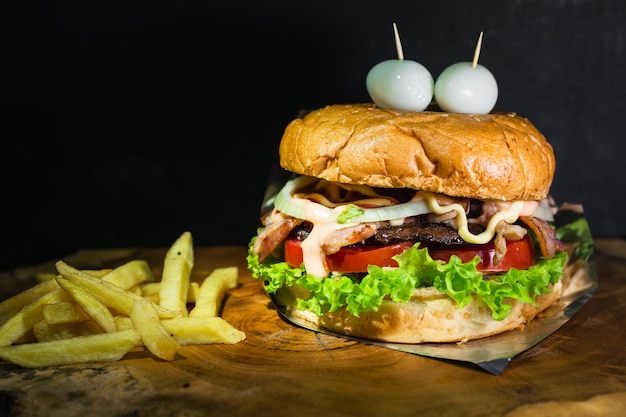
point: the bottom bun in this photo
(429, 317)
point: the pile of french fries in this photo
(80, 316)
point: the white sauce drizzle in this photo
(509, 215)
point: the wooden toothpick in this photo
(398, 43)
(477, 50)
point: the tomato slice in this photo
(520, 254)
(350, 259)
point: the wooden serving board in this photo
(280, 369)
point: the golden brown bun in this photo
(429, 317)
(487, 156)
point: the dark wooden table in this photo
(282, 370)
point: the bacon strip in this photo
(548, 242)
(347, 236)
(272, 235)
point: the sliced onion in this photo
(284, 202)
(397, 211)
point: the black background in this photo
(130, 122)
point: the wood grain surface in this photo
(281, 370)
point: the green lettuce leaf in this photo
(578, 232)
(416, 269)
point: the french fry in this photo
(97, 273)
(153, 334)
(12, 305)
(28, 337)
(82, 349)
(123, 323)
(80, 316)
(175, 279)
(64, 312)
(202, 330)
(130, 274)
(45, 332)
(90, 304)
(109, 294)
(21, 322)
(192, 293)
(136, 289)
(194, 330)
(212, 291)
(150, 291)
(45, 276)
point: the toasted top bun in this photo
(499, 156)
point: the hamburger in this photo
(411, 227)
